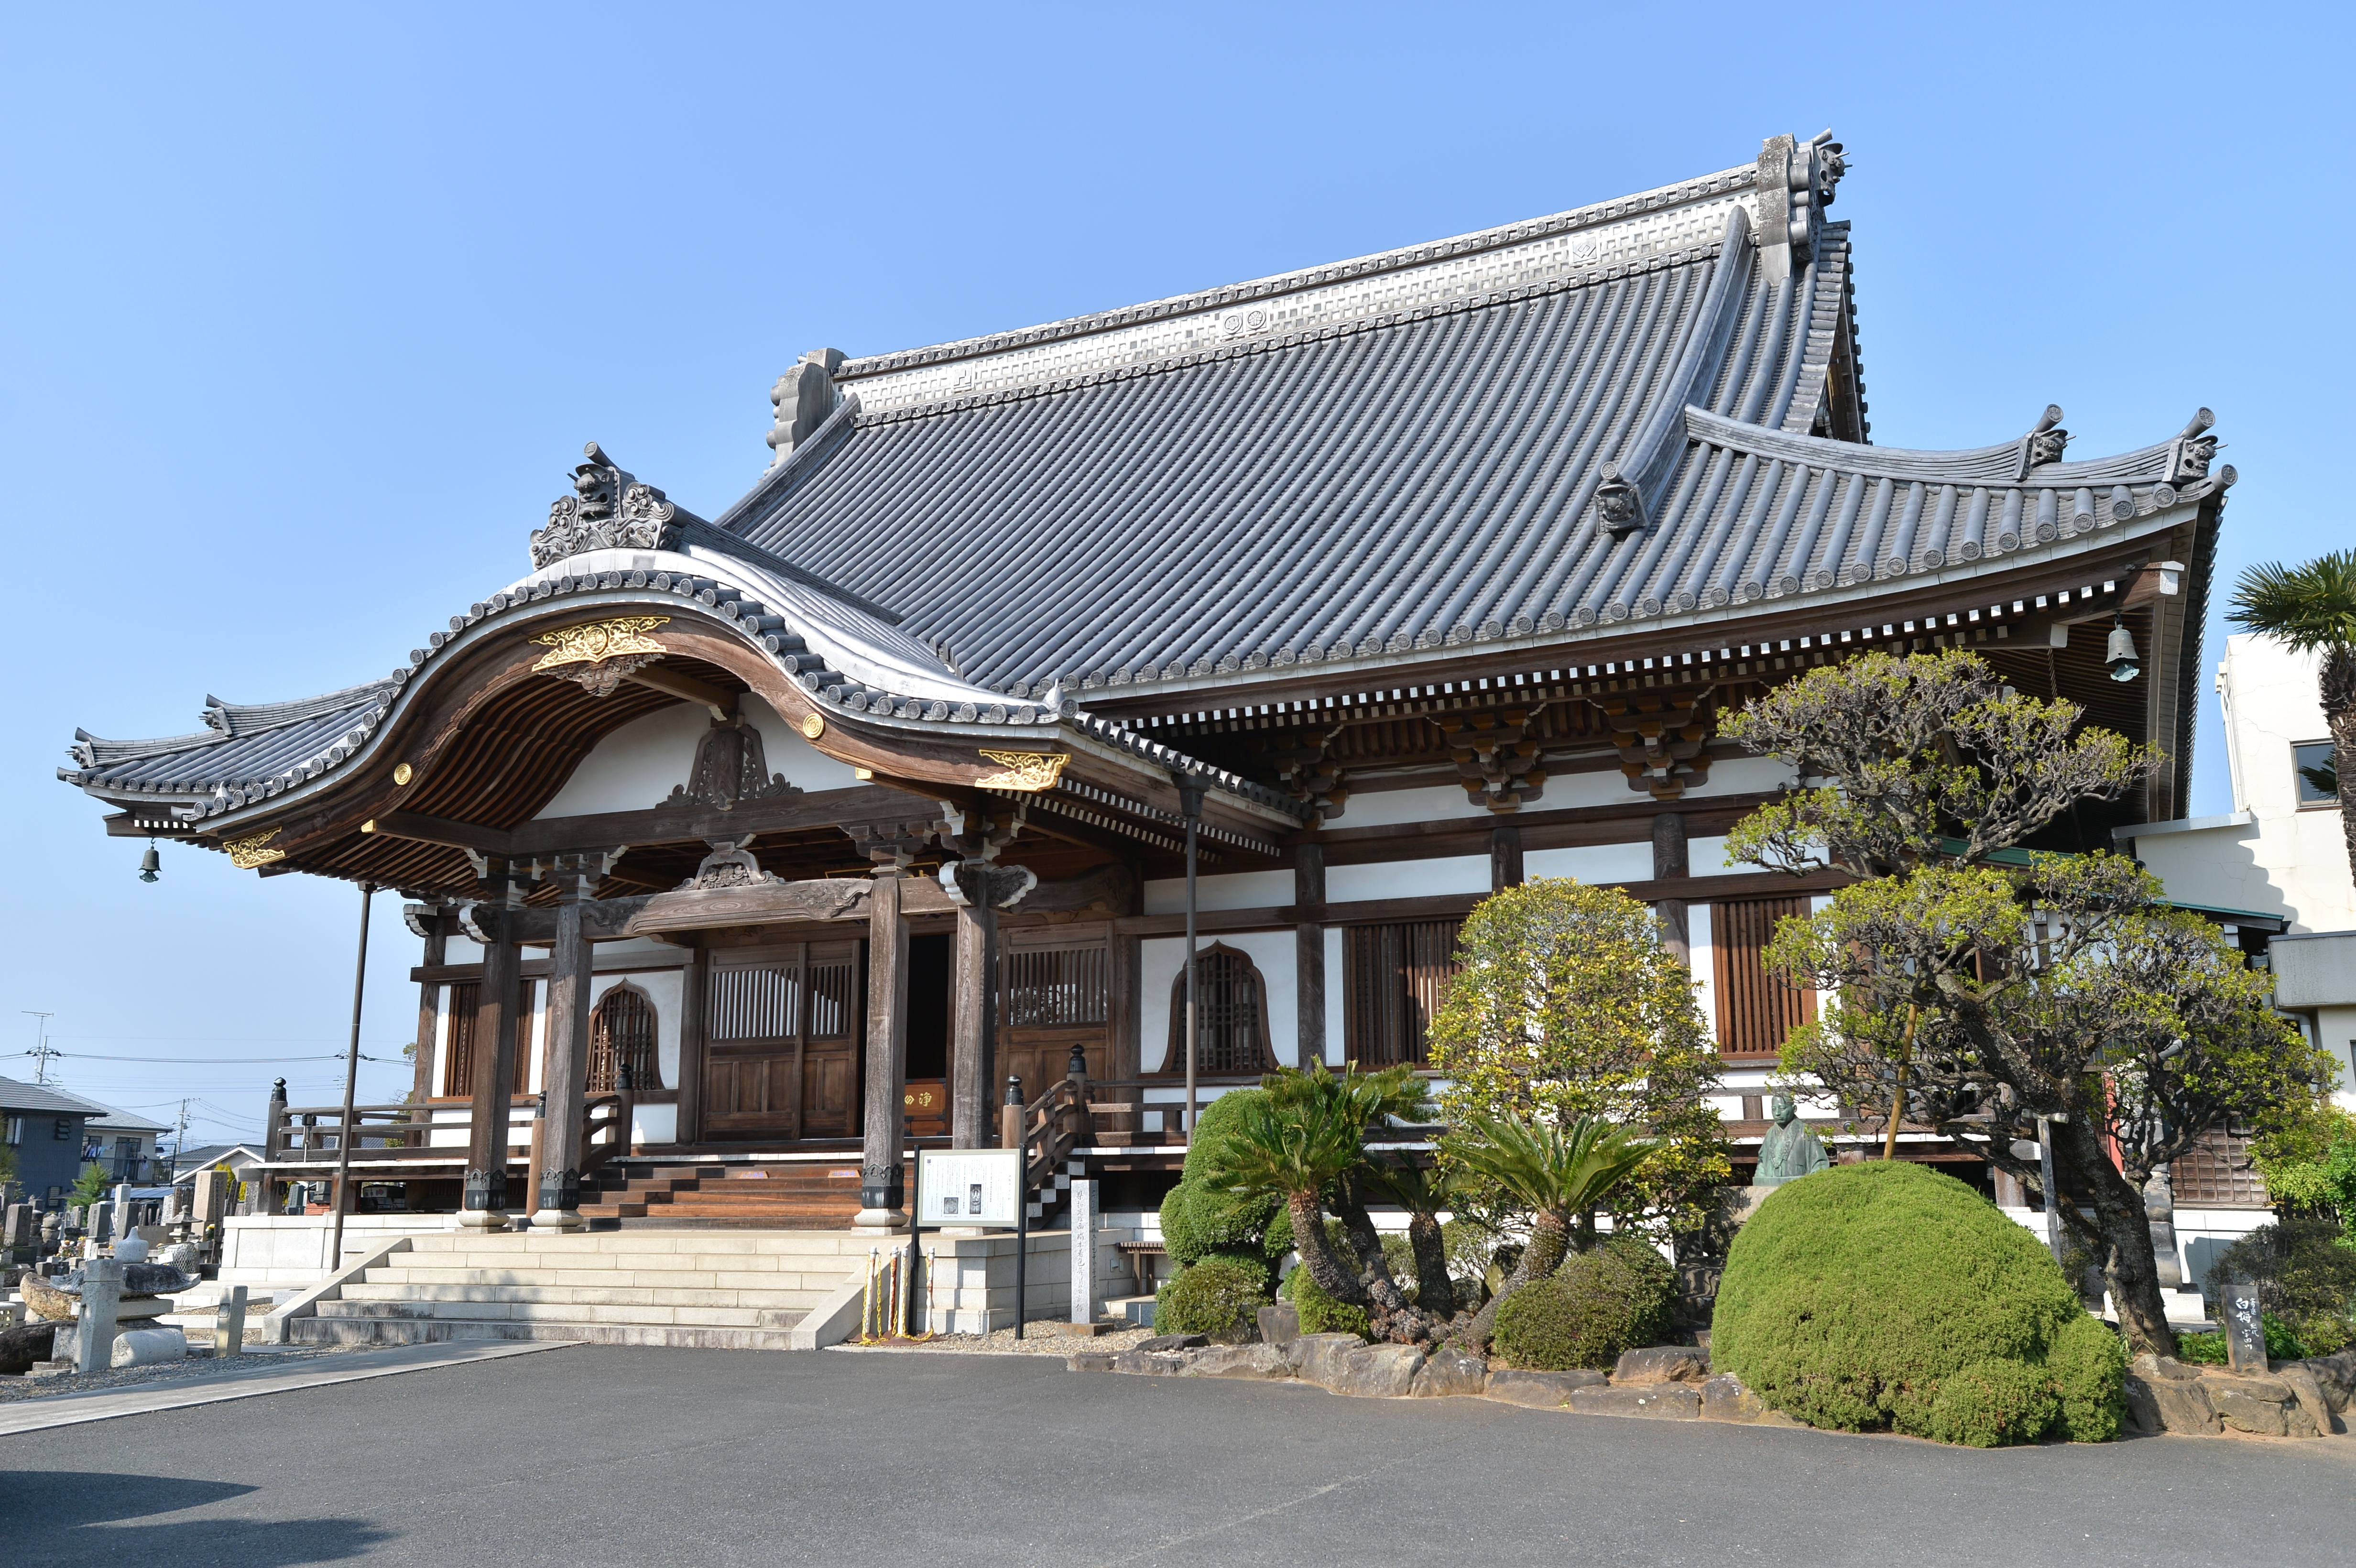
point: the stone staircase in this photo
(743, 1292)
(775, 1196)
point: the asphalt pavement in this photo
(594, 1456)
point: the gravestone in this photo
(101, 1296)
(228, 1326)
(19, 1228)
(2245, 1328)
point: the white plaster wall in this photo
(1704, 960)
(1161, 958)
(1381, 807)
(1592, 862)
(637, 766)
(1238, 890)
(2290, 861)
(1407, 879)
(1739, 775)
(1337, 1004)
(1706, 858)
(2335, 1031)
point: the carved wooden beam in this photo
(657, 677)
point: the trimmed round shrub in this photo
(1199, 1220)
(1990, 1404)
(1320, 1313)
(1617, 1296)
(1856, 1296)
(1220, 1297)
(2088, 1364)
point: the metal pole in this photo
(1021, 1230)
(1190, 800)
(351, 1082)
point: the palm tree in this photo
(1561, 1175)
(2313, 608)
(1423, 1192)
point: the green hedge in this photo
(1320, 1313)
(1619, 1296)
(1220, 1297)
(1200, 1220)
(1887, 1295)
(2306, 1278)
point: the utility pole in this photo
(40, 1045)
(352, 1078)
(180, 1141)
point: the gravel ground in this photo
(21, 1387)
(1036, 1341)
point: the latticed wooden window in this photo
(458, 1066)
(1231, 1014)
(1395, 976)
(622, 1033)
(1052, 988)
(2216, 1173)
(1755, 1008)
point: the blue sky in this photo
(309, 310)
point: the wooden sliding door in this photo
(780, 1030)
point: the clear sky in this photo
(308, 310)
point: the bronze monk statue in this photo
(1789, 1151)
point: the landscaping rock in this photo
(1450, 1370)
(1723, 1398)
(1147, 1364)
(1539, 1390)
(1161, 1342)
(2182, 1404)
(1662, 1401)
(1279, 1323)
(45, 1300)
(2152, 1368)
(2260, 1404)
(1240, 1361)
(2338, 1376)
(1091, 1361)
(2312, 1399)
(26, 1343)
(1345, 1364)
(1661, 1364)
(2143, 1408)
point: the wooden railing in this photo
(308, 1134)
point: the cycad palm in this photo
(1295, 1147)
(2313, 609)
(1561, 1175)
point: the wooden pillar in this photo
(882, 1185)
(565, 1076)
(1308, 955)
(1669, 864)
(1504, 856)
(688, 1125)
(435, 927)
(974, 1026)
(495, 1058)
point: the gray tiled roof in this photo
(1351, 462)
(19, 1096)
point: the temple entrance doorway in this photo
(781, 1058)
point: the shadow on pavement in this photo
(74, 1517)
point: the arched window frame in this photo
(604, 1077)
(1174, 1060)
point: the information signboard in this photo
(966, 1187)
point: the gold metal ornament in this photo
(813, 725)
(248, 852)
(1028, 771)
(595, 641)
(402, 772)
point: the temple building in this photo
(792, 839)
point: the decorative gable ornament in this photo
(609, 509)
(608, 652)
(730, 766)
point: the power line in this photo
(200, 1061)
(40, 1045)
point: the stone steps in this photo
(731, 1293)
(402, 1331)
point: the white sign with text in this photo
(966, 1187)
